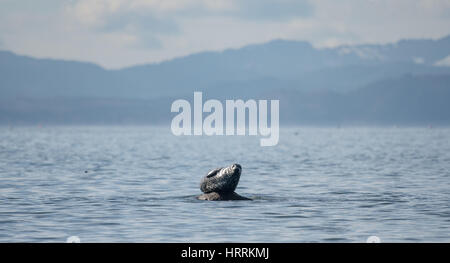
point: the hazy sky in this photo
(119, 33)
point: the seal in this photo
(220, 183)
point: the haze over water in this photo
(138, 184)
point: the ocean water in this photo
(138, 184)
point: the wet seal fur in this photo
(219, 184)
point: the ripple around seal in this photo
(321, 185)
(268, 198)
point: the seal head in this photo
(221, 180)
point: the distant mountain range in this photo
(407, 82)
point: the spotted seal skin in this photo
(220, 183)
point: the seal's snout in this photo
(237, 166)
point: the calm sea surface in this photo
(138, 184)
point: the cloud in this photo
(146, 20)
(146, 28)
(273, 10)
(151, 20)
(98, 12)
